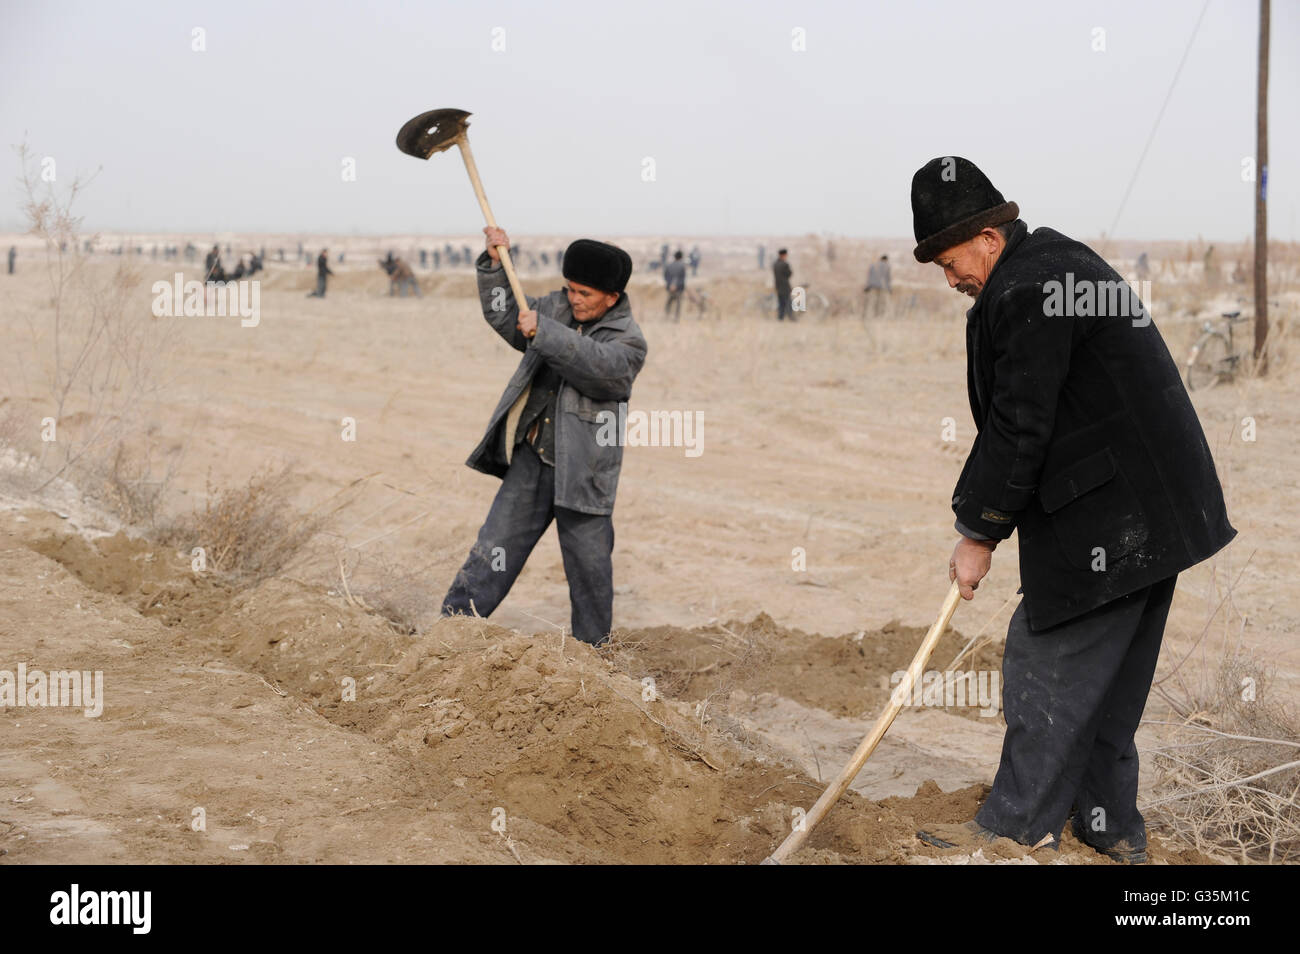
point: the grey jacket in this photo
(878, 276)
(598, 362)
(675, 275)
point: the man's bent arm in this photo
(603, 370)
(1031, 359)
(498, 302)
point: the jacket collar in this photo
(1018, 235)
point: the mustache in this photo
(966, 288)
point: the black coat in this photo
(1088, 443)
(781, 276)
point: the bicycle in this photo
(815, 304)
(1214, 357)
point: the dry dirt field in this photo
(506, 741)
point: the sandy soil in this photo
(822, 435)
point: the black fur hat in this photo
(952, 201)
(598, 264)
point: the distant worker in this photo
(212, 270)
(13, 254)
(762, 256)
(781, 279)
(878, 286)
(1143, 267)
(675, 282)
(402, 278)
(694, 260)
(322, 273)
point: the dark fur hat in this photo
(952, 202)
(598, 264)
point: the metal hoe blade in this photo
(432, 132)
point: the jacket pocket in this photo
(1094, 512)
(595, 412)
(1076, 480)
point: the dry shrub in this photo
(93, 360)
(1228, 770)
(1229, 776)
(128, 487)
(250, 532)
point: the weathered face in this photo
(967, 266)
(588, 303)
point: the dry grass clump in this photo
(125, 486)
(1229, 777)
(249, 532)
(1228, 764)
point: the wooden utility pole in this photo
(1261, 194)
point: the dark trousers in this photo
(783, 305)
(1072, 696)
(520, 514)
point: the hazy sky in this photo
(747, 134)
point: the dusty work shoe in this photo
(1122, 851)
(969, 834)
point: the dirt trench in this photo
(564, 752)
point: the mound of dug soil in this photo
(846, 675)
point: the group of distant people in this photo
(878, 288)
(213, 271)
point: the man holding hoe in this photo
(582, 350)
(1088, 446)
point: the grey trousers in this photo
(520, 514)
(1072, 696)
(674, 300)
